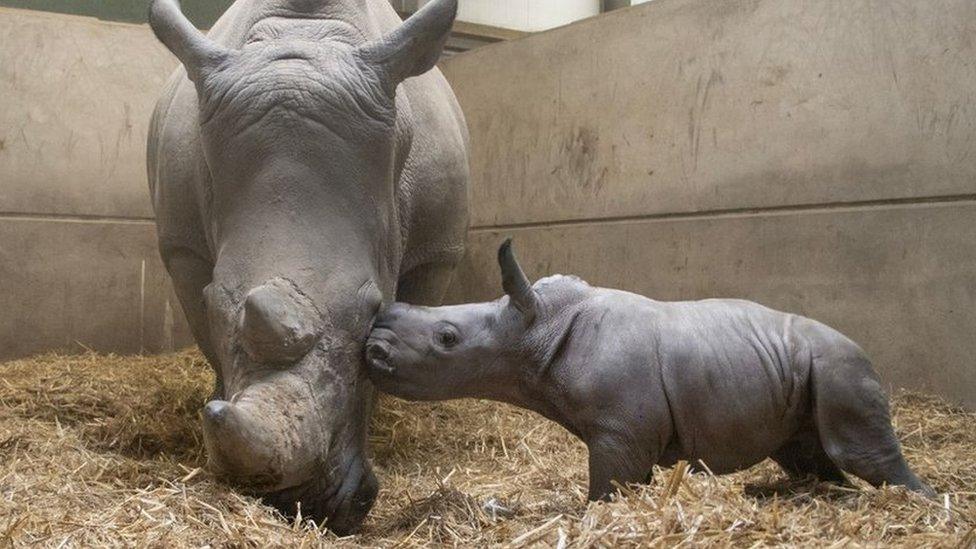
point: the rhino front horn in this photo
(279, 324)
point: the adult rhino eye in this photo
(447, 337)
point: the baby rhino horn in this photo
(514, 281)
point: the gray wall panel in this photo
(697, 105)
(75, 284)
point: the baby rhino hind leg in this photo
(852, 417)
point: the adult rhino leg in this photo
(614, 459)
(852, 417)
(426, 284)
(191, 274)
(804, 455)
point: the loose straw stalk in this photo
(105, 450)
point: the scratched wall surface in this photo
(78, 260)
(77, 97)
(818, 157)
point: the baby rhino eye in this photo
(447, 337)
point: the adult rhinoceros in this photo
(300, 176)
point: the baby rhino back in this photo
(737, 378)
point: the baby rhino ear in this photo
(514, 281)
(416, 45)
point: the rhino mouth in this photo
(378, 359)
(340, 506)
(379, 352)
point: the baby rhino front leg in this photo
(615, 458)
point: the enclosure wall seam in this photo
(75, 218)
(770, 211)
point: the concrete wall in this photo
(78, 259)
(818, 157)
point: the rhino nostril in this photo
(216, 411)
(377, 351)
(377, 357)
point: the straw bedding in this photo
(104, 450)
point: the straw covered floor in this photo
(106, 450)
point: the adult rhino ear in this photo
(416, 45)
(514, 281)
(199, 54)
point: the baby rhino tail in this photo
(851, 413)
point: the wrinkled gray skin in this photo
(643, 382)
(301, 175)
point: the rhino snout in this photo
(279, 325)
(378, 355)
(236, 446)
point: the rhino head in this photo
(298, 130)
(473, 350)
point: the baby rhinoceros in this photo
(643, 382)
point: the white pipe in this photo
(526, 15)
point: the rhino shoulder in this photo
(612, 338)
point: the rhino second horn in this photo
(277, 328)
